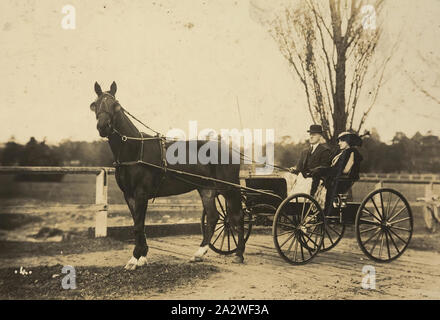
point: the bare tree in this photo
(433, 67)
(330, 46)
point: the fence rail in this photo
(400, 178)
(364, 177)
(101, 196)
(55, 170)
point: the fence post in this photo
(429, 194)
(429, 190)
(428, 214)
(101, 200)
(378, 185)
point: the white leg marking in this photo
(198, 256)
(131, 264)
(142, 261)
(202, 251)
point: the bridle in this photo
(107, 110)
(104, 108)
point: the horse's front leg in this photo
(138, 207)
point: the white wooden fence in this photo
(101, 197)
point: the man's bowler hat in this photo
(315, 128)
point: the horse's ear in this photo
(98, 89)
(113, 88)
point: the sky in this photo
(183, 60)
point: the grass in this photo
(80, 189)
(11, 221)
(74, 189)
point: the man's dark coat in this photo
(321, 157)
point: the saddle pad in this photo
(152, 152)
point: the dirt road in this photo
(264, 275)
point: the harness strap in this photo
(163, 153)
(125, 138)
(119, 151)
(141, 151)
(158, 133)
(188, 174)
(164, 164)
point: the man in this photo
(317, 155)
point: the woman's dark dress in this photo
(337, 181)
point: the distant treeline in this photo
(418, 154)
(67, 153)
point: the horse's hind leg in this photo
(235, 212)
(212, 215)
(138, 207)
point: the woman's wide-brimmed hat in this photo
(351, 138)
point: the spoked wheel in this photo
(225, 238)
(334, 231)
(384, 225)
(298, 228)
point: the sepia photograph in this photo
(220, 155)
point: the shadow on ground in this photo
(100, 282)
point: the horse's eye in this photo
(93, 106)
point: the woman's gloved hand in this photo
(293, 170)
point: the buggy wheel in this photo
(384, 225)
(333, 233)
(225, 238)
(298, 228)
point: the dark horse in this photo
(140, 182)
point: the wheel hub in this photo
(385, 225)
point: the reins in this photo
(160, 136)
(164, 166)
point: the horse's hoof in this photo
(142, 261)
(196, 259)
(131, 264)
(238, 259)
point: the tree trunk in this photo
(340, 117)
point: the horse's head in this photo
(105, 107)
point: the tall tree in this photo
(330, 46)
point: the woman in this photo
(344, 168)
